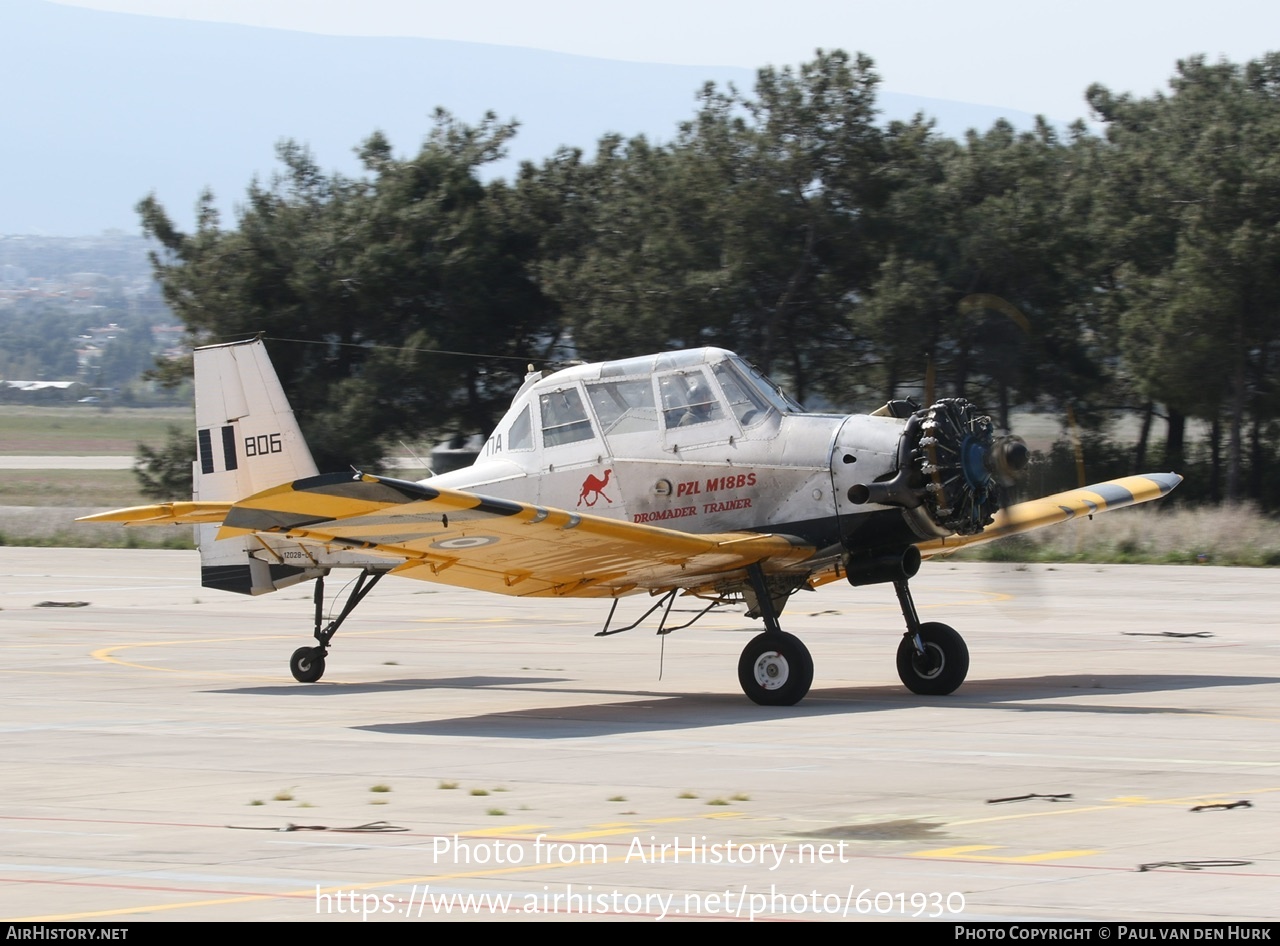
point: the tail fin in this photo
(248, 438)
(248, 441)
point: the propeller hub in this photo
(975, 455)
(1012, 455)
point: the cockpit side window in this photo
(687, 399)
(564, 418)
(520, 437)
(753, 378)
(745, 401)
(624, 407)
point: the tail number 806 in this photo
(262, 445)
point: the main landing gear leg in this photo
(307, 663)
(775, 668)
(932, 658)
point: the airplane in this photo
(684, 473)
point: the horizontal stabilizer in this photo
(165, 514)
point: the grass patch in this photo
(618, 798)
(479, 791)
(447, 786)
(687, 795)
(496, 812)
(740, 797)
(1151, 535)
(284, 794)
(716, 801)
(381, 789)
(108, 489)
(33, 528)
(85, 429)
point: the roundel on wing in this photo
(465, 542)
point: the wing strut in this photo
(667, 599)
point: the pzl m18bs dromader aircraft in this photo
(685, 473)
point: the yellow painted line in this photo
(986, 597)
(578, 835)
(967, 852)
(142, 910)
(453, 621)
(956, 851)
(609, 829)
(309, 894)
(502, 832)
(1048, 856)
(1128, 801)
(1058, 810)
(1120, 802)
(106, 654)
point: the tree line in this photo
(1134, 272)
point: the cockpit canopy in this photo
(654, 396)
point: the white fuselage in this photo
(695, 441)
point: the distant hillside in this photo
(100, 109)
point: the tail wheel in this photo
(775, 669)
(943, 665)
(307, 664)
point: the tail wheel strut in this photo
(307, 663)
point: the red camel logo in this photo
(593, 489)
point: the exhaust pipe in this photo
(877, 568)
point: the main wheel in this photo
(307, 664)
(775, 669)
(943, 665)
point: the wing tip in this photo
(1166, 481)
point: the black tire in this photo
(775, 669)
(942, 667)
(307, 664)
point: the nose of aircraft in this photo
(951, 463)
(1007, 458)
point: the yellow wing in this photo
(1038, 513)
(474, 541)
(1085, 501)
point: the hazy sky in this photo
(1028, 55)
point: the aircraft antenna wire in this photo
(524, 359)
